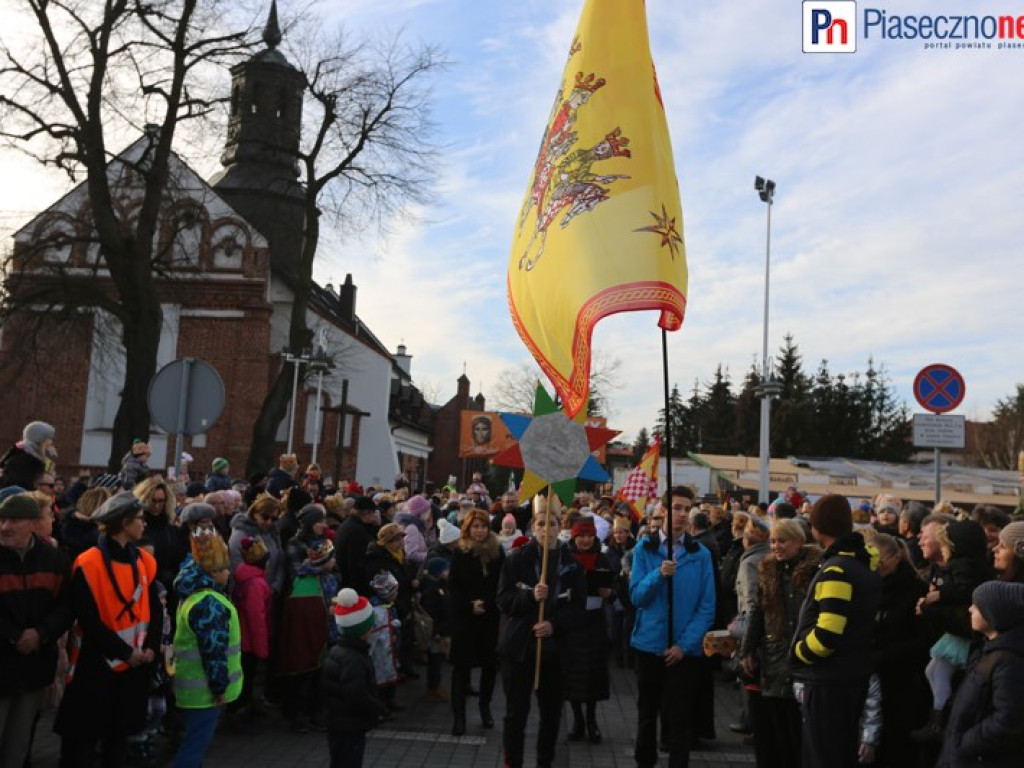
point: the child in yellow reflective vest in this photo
(207, 645)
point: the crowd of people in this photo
(149, 612)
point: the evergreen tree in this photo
(792, 415)
(677, 409)
(719, 416)
(641, 444)
(748, 414)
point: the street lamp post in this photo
(320, 363)
(296, 360)
(769, 388)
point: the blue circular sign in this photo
(939, 388)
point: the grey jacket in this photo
(241, 526)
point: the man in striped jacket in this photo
(831, 648)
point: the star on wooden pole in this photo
(553, 449)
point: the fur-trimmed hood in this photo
(486, 551)
(801, 569)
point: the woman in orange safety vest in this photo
(115, 639)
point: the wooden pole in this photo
(539, 502)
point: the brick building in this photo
(226, 289)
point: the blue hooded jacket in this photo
(693, 596)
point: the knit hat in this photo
(418, 506)
(509, 518)
(1001, 603)
(105, 480)
(310, 515)
(353, 613)
(10, 490)
(209, 551)
(584, 527)
(140, 447)
(390, 532)
(254, 551)
(20, 506)
(195, 490)
(364, 504)
(38, 432)
(437, 566)
(1012, 537)
(320, 552)
(117, 506)
(520, 541)
(196, 511)
(831, 515)
(220, 464)
(447, 533)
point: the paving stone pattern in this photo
(421, 736)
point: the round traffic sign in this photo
(939, 388)
(186, 396)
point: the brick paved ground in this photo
(421, 736)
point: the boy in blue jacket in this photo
(663, 665)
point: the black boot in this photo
(931, 732)
(487, 678)
(460, 680)
(578, 730)
(593, 732)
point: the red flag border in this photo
(627, 297)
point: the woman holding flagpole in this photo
(542, 594)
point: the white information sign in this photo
(938, 431)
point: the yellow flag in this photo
(601, 228)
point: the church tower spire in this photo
(266, 111)
(260, 178)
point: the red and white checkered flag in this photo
(642, 483)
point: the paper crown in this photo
(209, 550)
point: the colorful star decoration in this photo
(666, 227)
(552, 449)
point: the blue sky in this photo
(897, 230)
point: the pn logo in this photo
(830, 26)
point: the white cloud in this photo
(896, 230)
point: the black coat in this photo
(986, 722)
(475, 637)
(350, 544)
(585, 670)
(98, 700)
(899, 653)
(77, 535)
(350, 689)
(565, 606)
(170, 545)
(436, 599)
(379, 559)
(20, 468)
(34, 594)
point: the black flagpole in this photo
(667, 438)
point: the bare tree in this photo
(517, 387)
(85, 77)
(366, 155)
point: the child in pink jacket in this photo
(253, 599)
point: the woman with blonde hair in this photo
(170, 544)
(899, 652)
(473, 582)
(782, 580)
